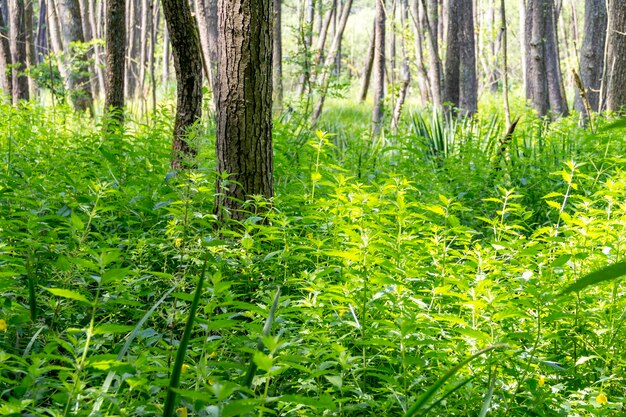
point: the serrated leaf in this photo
(72, 295)
(262, 361)
(335, 380)
(553, 204)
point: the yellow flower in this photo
(178, 241)
(542, 380)
(182, 411)
(601, 398)
(3, 325)
(213, 355)
(184, 368)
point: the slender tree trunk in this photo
(405, 70)
(156, 13)
(97, 47)
(6, 61)
(330, 61)
(17, 29)
(592, 54)
(202, 17)
(115, 56)
(367, 69)
(188, 65)
(165, 69)
(452, 79)
(436, 68)
(277, 56)
(31, 58)
(419, 24)
(379, 69)
(505, 64)
(321, 41)
(556, 88)
(41, 40)
(524, 53)
(244, 111)
(78, 78)
(146, 19)
(616, 57)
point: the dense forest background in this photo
(312, 208)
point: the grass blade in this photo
(608, 273)
(170, 400)
(435, 387)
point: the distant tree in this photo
(183, 33)
(616, 56)
(592, 53)
(366, 75)
(460, 82)
(6, 77)
(17, 30)
(277, 56)
(244, 105)
(379, 68)
(544, 81)
(78, 76)
(115, 55)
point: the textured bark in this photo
(31, 59)
(17, 30)
(468, 93)
(331, 61)
(367, 68)
(165, 69)
(244, 110)
(78, 76)
(183, 34)
(321, 40)
(544, 83)
(202, 17)
(436, 68)
(277, 55)
(616, 57)
(592, 53)
(6, 74)
(115, 56)
(452, 68)
(379, 68)
(97, 48)
(41, 40)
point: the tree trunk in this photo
(115, 56)
(78, 72)
(202, 17)
(97, 47)
(165, 69)
(592, 53)
(405, 70)
(331, 61)
(6, 61)
(505, 64)
(277, 56)
(31, 59)
(468, 94)
(379, 68)
(452, 78)
(544, 84)
(367, 68)
(431, 16)
(244, 110)
(183, 33)
(616, 57)
(17, 30)
(41, 40)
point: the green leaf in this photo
(324, 401)
(72, 295)
(112, 329)
(608, 273)
(263, 362)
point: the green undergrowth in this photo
(395, 259)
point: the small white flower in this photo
(527, 275)
(606, 250)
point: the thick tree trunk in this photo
(78, 72)
(17, 29)
(183, 33)
(468, 94)
(244, 110)
(431, 16)
(367, 68)
(379, 68)
(452, 78)
(6, 61)
(592, 53)
(616, 57)
(115, 56)
(544, 83)
(277, 56)
(41, 40)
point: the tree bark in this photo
(244, 110)
(544, 83)
(379, 68)
(17, 29)
(592, 54)
(468, 94)
(405, 70)
(367, 68)
(202, 17)
(78, 74)
(616, 57)
(6, 73)
(452, 76)
(431, 16)
(277, 56)
(183, 34)
(115, 56)
(41, 40)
